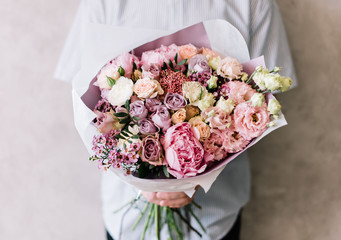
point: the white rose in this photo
(226, 105)
(206, 101)
(109, 70)
(193, 91)
(257, 99)
(273, 106)
(285, 83)
(121, 91)
(272, 81)
(212, 82)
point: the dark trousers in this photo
(233, 234)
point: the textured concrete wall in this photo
(49, 190)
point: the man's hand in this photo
(168, 199)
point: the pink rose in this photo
(198, 63)
(152, 151)
(137, 109)
(147, 88)
(152, 104)
(208, 53)
(151, 71)
(217, 118)
(184, 153)
(187, 51)
(105, 122)
(250, 121)
(230, 68)
(162, 118)
(237, 91)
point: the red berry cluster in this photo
(171, 81)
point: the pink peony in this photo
(250, 121)
(237, 91)
(184, 153)
(160, 55)
(217, 118)
(151, 71)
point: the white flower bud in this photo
(212, 82)
(257, 99)
(214, 63)
(274, 107)
(285, 83)
(226, 105)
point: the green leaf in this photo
(125, 134)
(121, 114)
(111, 81)
(121, 71)
(127, 105)
(135, 137)
(136, 118)
(164, 66)
(125, 121)
(201, 92)
(124, 146)
(176, 58)
(118, 136)
(170, 63)
(129, 141)
(182, 62)
(165, 171)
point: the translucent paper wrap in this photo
(103, 43)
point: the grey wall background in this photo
(50, 191)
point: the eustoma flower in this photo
(250, 122)
(183, 152)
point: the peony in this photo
(152, 104)
(147, 127)
(106, 121)
(193, 91)
(274, 107)
(226, 105)
(162, 118)
(183, 152)
(198, 63)
(151, 71)
(160, 55)
(174, 101)
(237, 91)
(187, 51)
(147, 88)
(250, 121)
(121, 91)
(151, 151)
(217, 118)
(179, 116)
(203, 128)
(230, 68)
(137, 109)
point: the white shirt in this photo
(259, 22)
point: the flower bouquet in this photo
(173, 112)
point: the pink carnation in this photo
(237, 91)
(250, 121)
(184, 153)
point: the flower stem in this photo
(141, 215)
(248, 81)
(195, 217)
(172, 223)
(147, 223)
(156, 216)
(187, 222)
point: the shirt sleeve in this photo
(268, 38)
